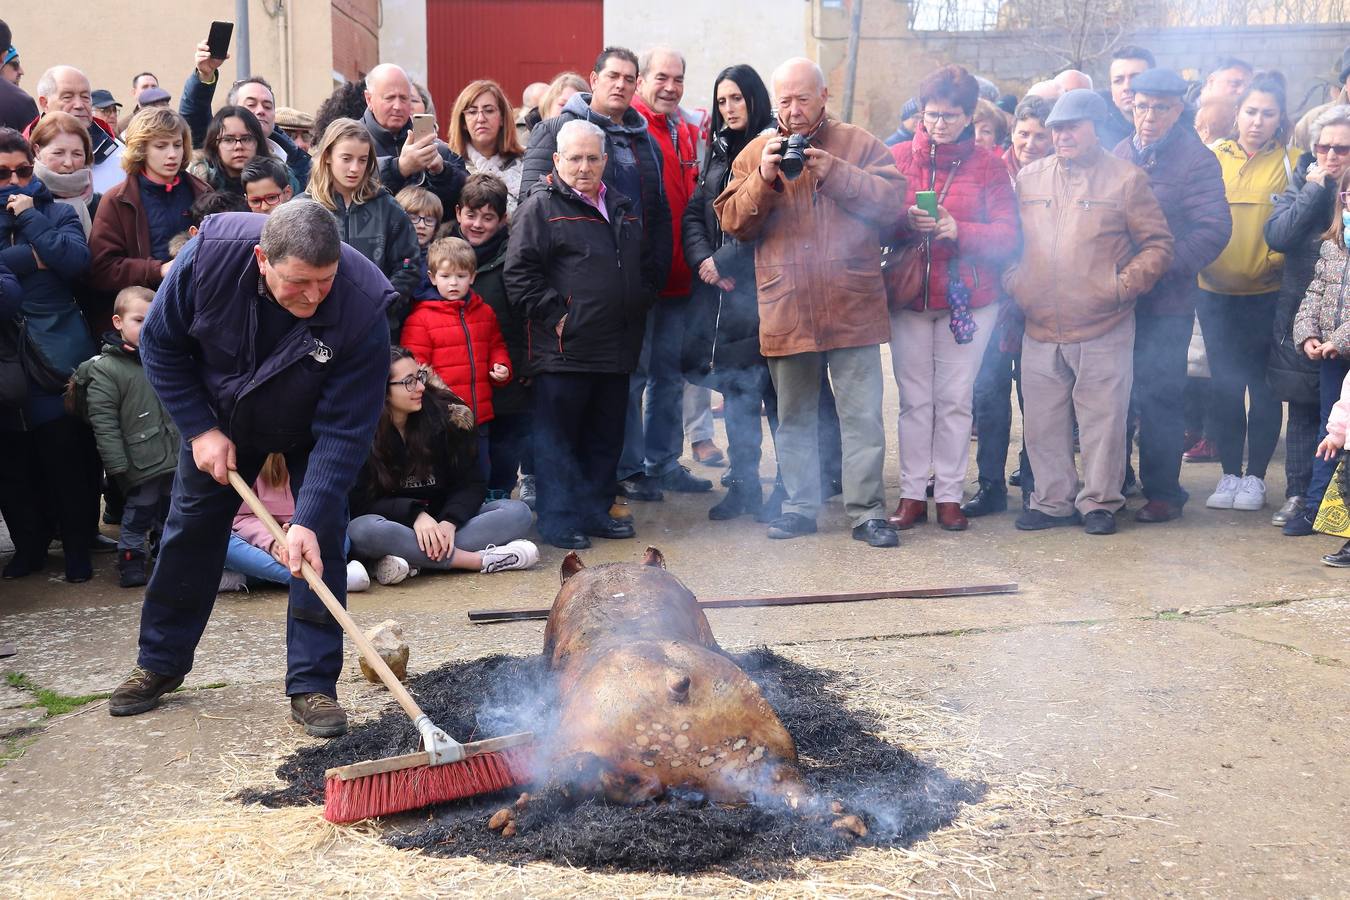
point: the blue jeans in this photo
(145, 508)
(653, 435)
(999, 370)
(257, 564)
(1330, 375)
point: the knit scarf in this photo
(74, 190)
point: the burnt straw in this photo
(900, 797)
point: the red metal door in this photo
(513, 42)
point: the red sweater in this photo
(679, 173)
(462, 341)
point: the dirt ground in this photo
(1162, 712)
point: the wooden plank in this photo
(493, 616)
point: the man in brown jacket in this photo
(1094, 240)
(821, 299)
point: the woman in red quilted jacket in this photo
(945, 313)
(457, 334)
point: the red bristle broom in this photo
(442, 771)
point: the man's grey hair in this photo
(303, 230)
(576, 129)
(46, 85)
(1334, 115)
(645, 58)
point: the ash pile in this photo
(864, 791)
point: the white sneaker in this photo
(357, 578)
(515, 555)
(394, 569)
(1251, 494)
(1225, 493)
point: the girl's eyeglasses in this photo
(410, 382)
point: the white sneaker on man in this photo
(515, 555)
(391, 570)
(1251, 494)
(1225, 493)
(357, 578)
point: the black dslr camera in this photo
(793, 151)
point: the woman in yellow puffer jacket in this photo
(1238, 295)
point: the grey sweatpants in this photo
(1088, 381)
(855, 374)
(498, 522)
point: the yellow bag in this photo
(1332, 515)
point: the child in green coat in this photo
(136, 438)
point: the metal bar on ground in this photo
(493, 616)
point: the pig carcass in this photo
(648, 702)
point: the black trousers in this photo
(1161, 344)
(510, 450)
(745, 392)
(182, 590)
(578, 438)
(1245, 411)
(49, 484)
(1000, 371)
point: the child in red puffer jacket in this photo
(458, 335)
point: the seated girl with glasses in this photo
(419, 500)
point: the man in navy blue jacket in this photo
(268, 336)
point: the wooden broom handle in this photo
(368, 651)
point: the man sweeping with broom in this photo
(268, 335)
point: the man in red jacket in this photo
(654, 435)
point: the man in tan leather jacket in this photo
(821, 299)
(1094, 240)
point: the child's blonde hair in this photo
(454, 252)
(127, 294)
(321, 177)
(417, 199)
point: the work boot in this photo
(990, 498)
(320, 714)
(682, 481)
(141, 692)
(131, 568)
(743, 498)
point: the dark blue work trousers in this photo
(182, 590)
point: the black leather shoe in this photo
(791, 525)
(1035, 520)
(682, 481)
(568, 540)
(1015, 479)
(1340, 559)
(613, 529)
(990, 498)
(1300, 525)
(876, 533)
(640, 487)
(141, 692)
(1099, 521)
(743, 498)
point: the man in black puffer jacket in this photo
(574, 266)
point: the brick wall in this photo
(356, 37)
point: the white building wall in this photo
(403, 36)
(712, 34)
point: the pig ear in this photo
(571, 565)
(654, 557)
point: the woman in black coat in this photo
(48, 467)
(1302, 214)
(721, 345)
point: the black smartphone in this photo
(219, 39)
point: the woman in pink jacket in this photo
(252, 557)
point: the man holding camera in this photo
(818, 199)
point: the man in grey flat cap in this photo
(1094, 240)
